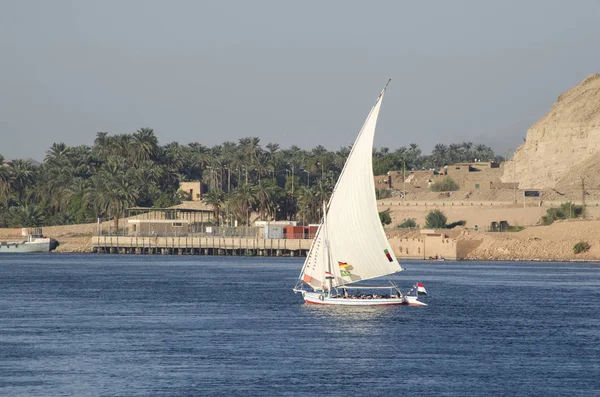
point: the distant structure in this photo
(145, 222)
(484, 175)
(475, 176)
(194, 189)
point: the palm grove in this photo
(79, 184)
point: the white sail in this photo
(358, 248)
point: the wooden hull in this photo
(316, 298)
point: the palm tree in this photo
(440, 155)
(413, 156)
(58, 155)
(111, 193)
(466, 151)
(309, 205)
(121, 146)
(342, 155)
(102, 144)
(483, 152)
(262, 166)
(22, 176)
(174, 155)
(216, 199)
(26, 216)
(454, 153)
(143, 145)
(265, 202)
(121, 193)
(244, 199)
(5, 187)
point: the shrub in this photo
(383, 193)
(385, 217)
(454, 224)
(445, 185)
(580, 247)
(436, 219)
(408, 223)
(566, 210)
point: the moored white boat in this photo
(33, 244)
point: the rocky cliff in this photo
(565, 138)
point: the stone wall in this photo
(424, 247)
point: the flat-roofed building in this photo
(194, 189)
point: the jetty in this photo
(195, 245)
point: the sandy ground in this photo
(552, 243)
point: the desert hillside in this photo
(561, 142)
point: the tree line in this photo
(79, 184)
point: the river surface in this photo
(118, 325)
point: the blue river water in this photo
(93, 325)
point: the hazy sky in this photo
(291, 72)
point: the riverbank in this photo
(536, 243)
(539, 243)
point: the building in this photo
(383, 181)
(167, 221)
(484, 175)
(432, 244)
(194, 189)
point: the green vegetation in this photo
(566, 210)
(408, 223)
(580, 247)
(435, 219)
(503, 226)
(79, 184)
(383, 193)
(385, 160)
(445, 185)
(385, 218)
(455, 224)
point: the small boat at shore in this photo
(437, 258)
(350, 245)
(34, 243)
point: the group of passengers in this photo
(346, 295)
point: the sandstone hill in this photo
(559, 146)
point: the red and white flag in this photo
(421, 289)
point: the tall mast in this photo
(327, 256)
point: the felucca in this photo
(350, 245)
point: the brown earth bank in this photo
(535, 243)
(547, 243)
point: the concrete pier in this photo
(223, 246)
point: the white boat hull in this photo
(316, 298)
(36, 245)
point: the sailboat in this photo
(350, 245)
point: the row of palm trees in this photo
(269, 201)
(79, 184)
